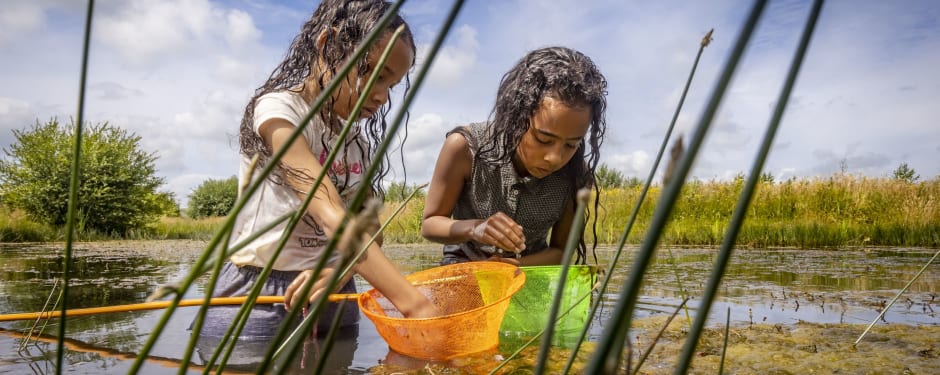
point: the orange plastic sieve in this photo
(473, 298)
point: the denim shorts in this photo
(265, 319)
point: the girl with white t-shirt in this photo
(277, 108)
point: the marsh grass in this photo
(16, 227)
(176, 228)
(839, 211)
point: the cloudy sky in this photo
(178, 73)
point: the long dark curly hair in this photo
(563, 74)
(345, 24)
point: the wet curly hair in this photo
(562, 74)
(345, 23)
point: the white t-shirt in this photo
(273, 200)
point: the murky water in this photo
(777, 288)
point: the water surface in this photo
(783, 286)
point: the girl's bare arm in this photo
(450, 172)
(327, 209)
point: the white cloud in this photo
(112, 91)
(215, 116)
(425, 137)
(235, 71)
(143, 31)
(13, 108)
(453, 61)
(635, 163)
(240, 29)
(18, 18)
(15, 114)
(146, 32)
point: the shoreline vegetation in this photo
(835, 212)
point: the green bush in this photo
(117, 185)
(399, 191)
(213, 198)
(167, 202)
(609, 178)
(905, 173)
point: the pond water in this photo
(782, 288)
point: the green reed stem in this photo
(607, 356)
(45, 307)
(675, 272)
(73, 189)
(178, 292)
(241, 316)
(330, 339)
(612, 264)
(893, 300)
(355, 259)
(364, 46)
(724, 347)
(574, 237)
(388, 221)
(253, 187)
(331, 246)
(649, 349)
(539, 334)
(204, 308)
(383, 147)
(740, 211)
(381, 150)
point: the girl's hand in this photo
(292, 295)
(424, 309)
(501, 231)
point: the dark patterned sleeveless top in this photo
(536, 204)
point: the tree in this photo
(399, 191)
(117, 182)
(609, 178)
(167, 203)
(905, 173)
(213, 198)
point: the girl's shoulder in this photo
(283, 98)
(473, 133)
(289, 106)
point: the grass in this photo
(16, 227)
(839, 211)
(842, 210)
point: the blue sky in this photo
(178, 73)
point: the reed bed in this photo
(16, 227)
(842, 210)
(839, 211)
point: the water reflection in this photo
(789, 286)
(761, 286)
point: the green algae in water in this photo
(801, 348)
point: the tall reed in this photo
(841, 210)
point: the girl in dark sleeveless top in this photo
(504, 189)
